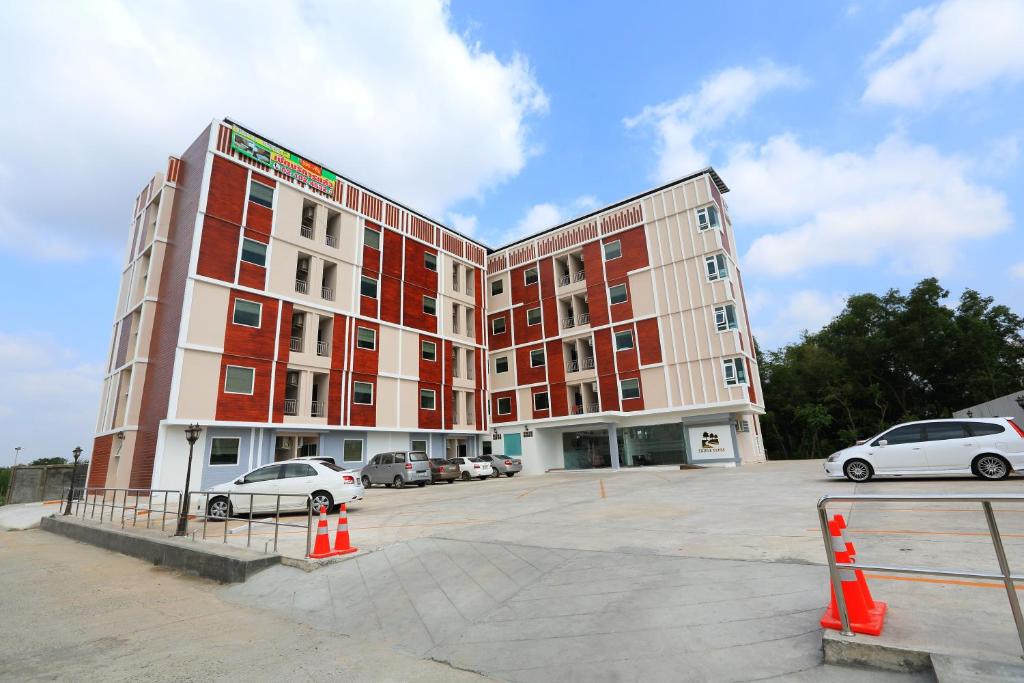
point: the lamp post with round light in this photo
(77, 453)
(191, 435)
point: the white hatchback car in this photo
(989, 448)
(324, 482)
(473, 468)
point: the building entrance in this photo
(586, 450)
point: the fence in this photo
(1005, 576)
(33, 483)
(101, 505)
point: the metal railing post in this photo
(206, 514)
(1004, 567)
(277, 520)
(833, 573)
(149, 508)
(248, 534)
(227, 516)
(309, 525)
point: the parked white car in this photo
(473, 468)
(989, 448)
(325, 482)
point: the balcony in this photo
(327, 293)
(296, 344)
(317, 408)
(583, 318)
(572, 366)
(592, 407)
(322, 348)
(331, 240)
(588, 363)
(306, 229)
(291, 406)
(576, 410)
(579, 276)
(302, 286)
(563, 280)
(568, 322)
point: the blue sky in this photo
(867, 144)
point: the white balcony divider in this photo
(568, 322)
(327, 293)
(301, 286)
(588, 363)
(584, 318)
(291, 406)
(316, 409)
(296, 344)
(306, 231)
(331, 240)
(572, 366)
(580, 275)
(322, 348)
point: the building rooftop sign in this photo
(300, 170)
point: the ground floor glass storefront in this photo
(662, 444)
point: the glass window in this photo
(399, 458)
(498, 325)
(707, 217)
(417, 457)
(497, 287)
(353, 450)
(331, 465)
(298, 469)
(617, 294)
(261, 194)
(371, 238)
(943, 431)
(540, 400)
(630, 388)
(536, 358)
(504, 405)
(486, 447)
(429, 305)
(254, 252)
(612, 250)
(366, 338)
(224, 450)
(247, 313)
(716, 267)
(501, 364)
(985, 428)
(904, 434)
(368, 287)
(268, 473)
(427, 399)
(387, 459)
(430, 261)
(623, 340)
(238, 379)
(419, 445)
(362, 393)
(725, 318)
(530, 276)
(428, 351)
(533, 316)
(735, 371)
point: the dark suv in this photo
(397, 469)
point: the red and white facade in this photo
(291, 311)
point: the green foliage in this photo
(49, 461)
(5, 481)
(888, 359)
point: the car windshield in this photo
(331, 466)
(417, 457)
(476, 460)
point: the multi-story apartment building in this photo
(291, 311)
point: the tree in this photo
(49, 461)
(888, 359)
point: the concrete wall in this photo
(1004, 406)
(30, 484)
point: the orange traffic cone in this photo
(322, 547)
(866, 615)
(852, 552)
(342, 545)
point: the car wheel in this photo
(399, 482)
(465, 476)
(421, 484)
(322, 499)
(451, 481)
(497, 474)
(219, 508)
(366, 482)
(510, 474)
(991, 467)
(857, 471)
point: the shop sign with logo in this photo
(300, 170)
(711, 442)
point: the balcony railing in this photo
(568, 322)
(331, 240)
(588, 363)
(306, 230)
(301, 286)
(327, 293)
(564, 280)
(291, 406)
(572, 366)
(322, 348)
(583, 319)
(316, 409)
(580, 275)
(296, 344)
(592, 407)
(576, 410)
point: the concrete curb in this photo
(226, 565)
(857, 651)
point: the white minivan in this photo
(989, 448)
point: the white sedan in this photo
(324, 483)
(473, 468)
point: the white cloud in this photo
(952, 48)
(466, 224)
(803, 310)
(1017, 271)
(679, 125)
(387, 92)
(547, 215)
(45, 384)
(903, 205)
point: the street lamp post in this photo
(17, 451)
(191, 435)
(77, 453)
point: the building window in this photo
(540, 400)
(455, 277)
(239, 379)
(735, 371)
(366, 338)
(353, 450)
(629, 388)
(536, 358)
(224, 450)
(497, 287)
(501, 364)
(504, 405)
(247, 313)
(725, 318)
(429, 305)
(617, 294)
(707, 217)
(428, 351)
(427, 397)
(368, 287)
(498, 325)
(716, 267)
(418, 446)
(612, 250)
(430, 261)
(624, 340)
(530, 276)
(362, 393)
(533, 316)
(254, 252)
(371, 238)
(261, 194)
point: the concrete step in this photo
(950, 669)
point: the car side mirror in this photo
(239, 481)
(883, 442)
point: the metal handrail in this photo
(1005, 575)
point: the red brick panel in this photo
(559, 399)
(251, 275)
(100, 460)
(524, 373)
(251, 342)
(597, 302)
(524, 332)
(371, 256)
(365, 361)
(258, 218)
(626, 359)
(592, 257)
(245, 407)
(503, 340)
(551, 321)
(416, 271)
(413, 315)
(360, 414)
(394, 248)
(390, 299)
(630, 404)
(607, 382)
(547, 277)
(478, 312)
(623, 310)
(539, 414)
(648, 340)
(368, 304)
(511, 417)
(228, 191)
(750, 386)
(218, 251)
(334, 406)
(430, 419)
(280, 379)
(430, 370)
(634, 253)
(520, 291)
